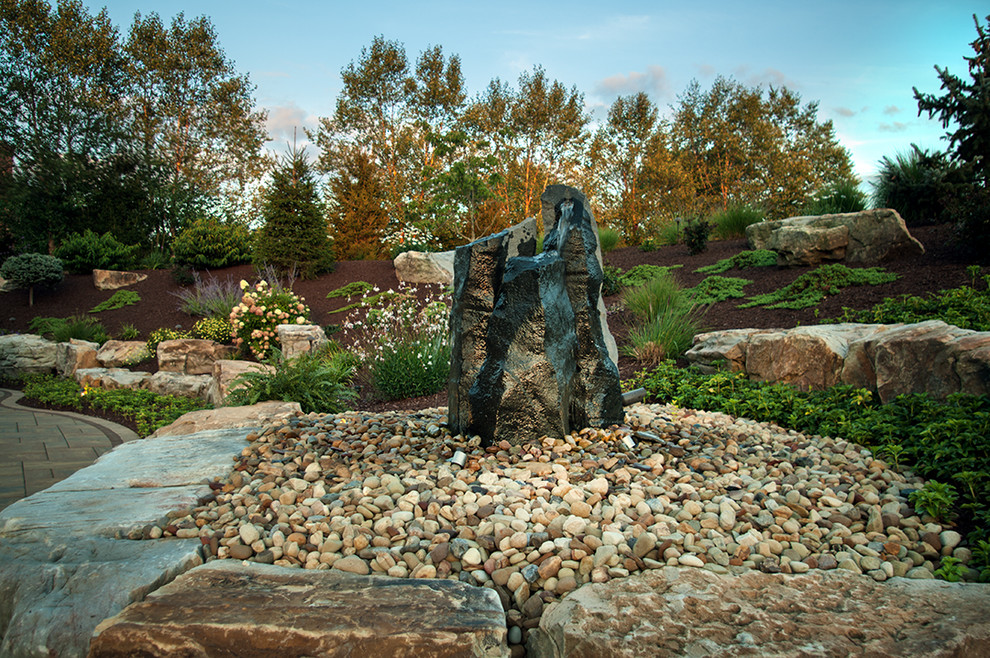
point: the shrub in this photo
(844, 196)
(155, 260)
(209, 242)
(742, 260)
(732, 222)
(696, 234)
(209, 299)
(665, 336)
(318, 381)
(608, 239)
(811, 287)
(80, 328)
(213, 328)
(916, 185)
(49, 389)
(254, 321)
(119, 299)
(405, 344)
(183, 275)
(653, 298)
(163, 334)
(641, 274)
(30, 270)
(969, 210)
(611, 285)
(129, 332)
(84, 252)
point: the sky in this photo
(857, 59)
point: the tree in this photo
(357, 214)
(747, 146)
(192, 115)
(32, 270)
(62, 88)
(294, 236)
(967, 105)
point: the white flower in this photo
(243, 284)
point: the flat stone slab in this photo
(164, 461)
(693, 612)
(245, 609)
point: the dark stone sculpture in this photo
(532, 354)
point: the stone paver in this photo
(39, 448)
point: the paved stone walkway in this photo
(38, 448)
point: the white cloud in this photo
(895, 127)
(653, 81)
(845, 112)
(286, 124)
(891, 109)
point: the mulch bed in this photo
(938, 269)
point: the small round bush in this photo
(159, 335)
(208, 242)
(81, 253)
(30, 270)
(213, 328)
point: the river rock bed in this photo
(383, 494)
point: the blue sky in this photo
(857, 59)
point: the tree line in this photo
(140, 134)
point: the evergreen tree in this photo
(358, 216)
(294, 236)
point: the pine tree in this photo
(294, 236)
(358, 217)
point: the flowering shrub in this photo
(215, 329)
(254, 321)
(409, 237)
(405, 343)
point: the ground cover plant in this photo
(146, 410)
(118, 300)
(946, 442)
(61, 330)
(716, 289)
(318, 381)
(742, 260)
(642, 274)
(965, 307)
(811, 287)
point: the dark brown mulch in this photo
(936, 270)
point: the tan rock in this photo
(299, 339)
(225, 371)
(254, 415)
(75, 354)
(872, 236)
(112, 279)
(683, 612)
(111, 378)
(117, 353)
(229, 608)
(24, 353)
(425, 267)
(191, 356)
(174, 383)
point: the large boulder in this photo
(694, 612)
(425, 267)
(192, 356)
(225, 371)
(116, 353)
(547, 364)
(869, 236)
(25, 353)
(927, 357)
(112, 279)
(247, 609)
(299, 339)
(75, 354)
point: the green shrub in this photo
(611, 285)
(155, 260)
(211, 243)
(696, 234)
(30, 270)
(916, 184)
(841, 197)
(183, 275)
(209, 299)
(715, 289)
(129, 332)
(81, 253)
(938, 440)
(732, 222)
(935, 499)
(653, 298)
(965, 307)
(213, 328)
(664, 336)
(148, 411)
(351, 289)
(119, 299)
(811, 287)
(742, 260)
(608, 239)
(969, 211)
(80, 328)
(49, 389)
(319, 382)
(641, 274)
(163, 334)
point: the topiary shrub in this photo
(81, 253)
(30, 270)
(208, 242)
